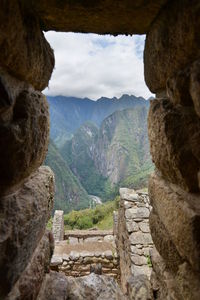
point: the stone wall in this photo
(133, 239)
(58, 225)
(83, 263)
(85, 236)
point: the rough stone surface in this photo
(184, 284)
(195, 85)
(23, 218)
(58, 225)
(29, 283)
(26, 54)
(172, 43)
(103, 16)
(54, 287)
(133, 239)
(139, 288)
(174, 134)
(23, 140)
(93, 287)
(170, 201)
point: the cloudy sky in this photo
(90, 65)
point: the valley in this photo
(97, 147)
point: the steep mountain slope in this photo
(77, 153)
(121, 152)
(69, 113)
(69, 192)
(116, 154)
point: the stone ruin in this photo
(120, 253)
(171, 69)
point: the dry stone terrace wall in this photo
(85, 236)
(133, 238)
(81, 263)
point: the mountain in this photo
(70, 194)
(67, 114)
(77, 153)
(116, 154)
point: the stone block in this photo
(23, 219)
(73, 240)
(74, 255)
(180, 215)
(108, 254)
(29, 282)
(139, 287)
(174, 134)
(131, 226)
(128, 194)
(109, 238)
(54, 287)
(172, 42)
(140, 238)
(135, 250)
(137, 212)
(56, 260)
(26, 54)
(144, 227)
(138, 260)
(141, 270)
(24, 140)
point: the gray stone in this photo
(144, 227)
(74, 255)
(56, 260)
(138, 260)
(131, 226)
(73, 240)
(108, 238)
(141, 212)
(128, 194)
(135, 250)
(140, 238)
(108, 254)
(141, 270)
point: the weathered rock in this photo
(172, 42)
(132, 226)
(102, 17)
(93, 287)
(29, 283)
(181, 285)
(137, 212)
(73, 240)
(25, 54)
(128, 194)
(180, 215)
(141, 270)
(195, 85)
(138, 260)
(56, 260)
(54, 287)
(140, 238)
(144, 227)
(58, 225)
(164, 243)
(23, 218)
(139, 288)
(174, 134)
(23, 140)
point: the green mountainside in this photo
(69, 192)
(67, 114)
(103, 145)
(77, 153)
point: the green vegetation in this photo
(69, 192)
(149, 263)
(100, 217)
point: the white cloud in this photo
(89, 65)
